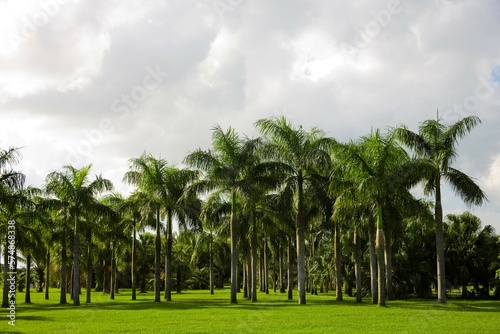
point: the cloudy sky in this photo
(103, 81)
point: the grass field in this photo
(199, 312)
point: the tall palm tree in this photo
(225, 166)
(147, 173)
(177, 202)
(380, 170)
(136, 212)
(301, 153)
(214, 209)
(10, 182)
(436, 143)
(74, 188)
(170, 185)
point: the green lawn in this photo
(199, 312)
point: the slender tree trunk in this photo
(275, 278)
(134, 262)
(117, 288)
(70, 281)
(157, 257)
(106, 270)
(89, 272)
(338, 263)
(380, 247)
(62, 298)
(357, 264)
(234, 250)
(266, 272)
(253, 247)
(5, 296)
(290, 269)
(75, 288)
(212, 264)
(39, 279)
(113, 273)
(310, 274)
(27, 296)
(373, 261)
(438, 214)
(178, 284)
(464, 287)
(245, 278)
(168, 257)
(388, 264)
(301, 249)
(280, 269)
(47, 278)
(143, 281)
(249, 274)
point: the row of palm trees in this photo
(287, 179)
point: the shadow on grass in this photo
(196, 300)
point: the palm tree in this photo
(214, 209)
(177, 203)
(73, 187)
(147, 173)
(470, 250)
(436, 143)
(136, 215)
(380, 170)
(10, 182)
(168, 185)
(226, 169)
(301, 153)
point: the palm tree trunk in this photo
(438, 215)
(168, 256)
(106, 271)
(373, 261)
(62, 299)
(157, 257)
(143, 281)
(266, 272)
(134, 263)
(301, 249)
(70, 281)
(275, 277)
(338, 263)
(178, 284)
(280, 268)
(245, 278)
(47, 278)
(261, 269)
(380, 248)
(253, 247)
(76, 265)
(89, 272)
(388, 263)
(113, 273)
(357, 264)
(234, 250)
(249, 274)
(27, 296)
(289, 270)
(212, 264)
(464, 286)
(5, 296)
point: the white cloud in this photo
(257, 60)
